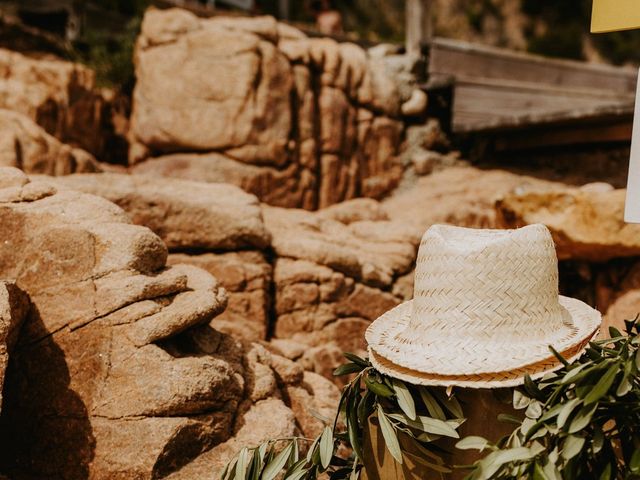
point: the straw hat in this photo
(485, 311)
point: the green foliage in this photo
(404, 412)
(582, 421)
(110, 54)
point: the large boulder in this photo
(61, 97)
(27, 146)
(118, 373)
(300, 122)
(185, 214)
(461, 195)
(586, 223)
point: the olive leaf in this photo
(274, 466)
(602, 387)
(582, 421)
(431, 404)
(472, 443)
(389, 435)
(405, 400)
(326, 447)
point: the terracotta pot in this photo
(481, 408)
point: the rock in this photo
(101, 386)
(184, 214)
(263, 421)
(316, 305)
(61, 97)
(316, 397)
(299, 122)
(14, 306)
(308, 236)
(416, 104)
(27, 146)
(334, 274)
(246, 276)
(323, 360)
(625, 307)
(287, 348)
(356, 210)
(428, 136)
(586, 225)
(463, 196)
(119, 373)
(426, 162)
(185, 99)
(288, 187)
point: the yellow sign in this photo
(612, 15)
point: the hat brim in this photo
(496, 362)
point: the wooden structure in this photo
(524, 100)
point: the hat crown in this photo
(486, 282)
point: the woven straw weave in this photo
(485, 305)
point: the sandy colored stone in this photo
(81, 393)
(316, 396)
(316, 305)
(297, 121)
(266, 419)
(246, 276)
(184, 214)
(625, 307)
(355, 210)
(61, 97)
(306, 236)
(185, 99)
(288, 187)
(463, 196)
(27, 146)
(323, 360)
(585, 224)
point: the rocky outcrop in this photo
(299, 122)
(185, 214)
(247, 278)
(25, 145)
(61, 97)
(586, 223)
(117, 372)
(458, 195)
(335, 272)
(14, 305)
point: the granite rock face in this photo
(117, 372)
(297, 121)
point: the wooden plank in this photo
(459, 58)
(568, 135)
(481, 107)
